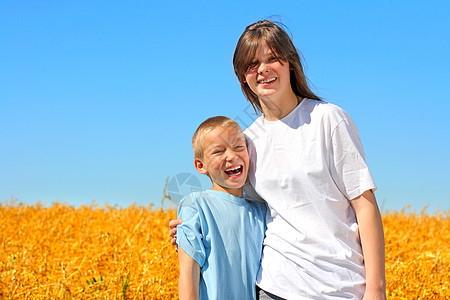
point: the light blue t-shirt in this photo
(224, 235)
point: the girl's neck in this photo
(274, 110)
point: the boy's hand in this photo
(173, 230)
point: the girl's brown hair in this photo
(281, 46)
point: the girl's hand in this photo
(173, 230)
(375, 295)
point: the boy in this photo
(218, 255)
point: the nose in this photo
(263, 67)
(230, 155)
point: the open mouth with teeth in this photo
(268, 80)
(234, 171)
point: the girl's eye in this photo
(252, 66)
(240, 147)
(273, 58)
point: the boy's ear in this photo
(200, 166)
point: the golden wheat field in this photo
(107, 252)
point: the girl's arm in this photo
(372, 241)
(189, 280)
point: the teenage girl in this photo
(324, 237)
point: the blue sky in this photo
(99, 99)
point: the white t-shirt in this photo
(307, 167)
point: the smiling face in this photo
(225, 159)
(254, 40)
(269, 77)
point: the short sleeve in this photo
(347, 162)
(189, 234)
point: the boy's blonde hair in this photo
(207, 126)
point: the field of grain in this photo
(109, 252)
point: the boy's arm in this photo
(189, 280)
(372, 241)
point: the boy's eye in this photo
(240, 147)
(217, 152)
(273, 58)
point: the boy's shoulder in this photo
(193, 198)
(200, 199)
(261, 206)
